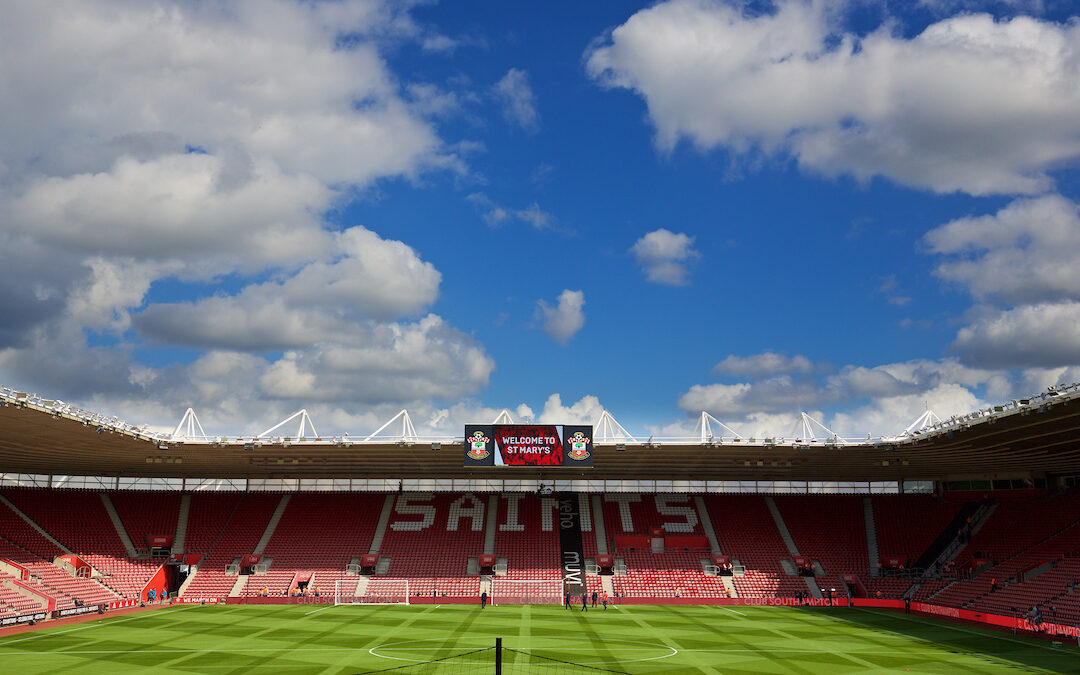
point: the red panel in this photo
(696, 543)
(632, 542)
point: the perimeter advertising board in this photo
(528, 445)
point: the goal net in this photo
(527, 591)
(371, 592)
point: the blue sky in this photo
(858, 209)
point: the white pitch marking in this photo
(319, 609)
(731, 610)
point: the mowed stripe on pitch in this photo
(207, 638)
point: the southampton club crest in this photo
(579, 446)
(478, 445)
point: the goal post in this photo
(527, 591)
(371, 592)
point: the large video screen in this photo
(528, 445)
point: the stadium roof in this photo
(1027, 437)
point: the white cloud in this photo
(565, 319)
(970, 104)
(1022, 263)
(1028, 251)
(781, 393)
(585, 411)
(268, 76)
(665, 256)
(205, 143)
(173, 208)
(382, 363)
(114, 288)
(765, 363)
(1042, 335)
(892, 414)
(368, 278)
(518, 100)
(1038, 379)
(878, 400)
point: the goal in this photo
(527, 591)
(359, 591)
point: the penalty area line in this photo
(315, 611)
(731, 610)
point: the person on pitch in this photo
(483, 600)
(584, 602)
(566, 600)
(594, 598)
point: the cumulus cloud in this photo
(877, 400)
(1021, 264)
(665, 256)
(1041, 335)
(173, 208)
(566, 318)
(585, 411)
(892, 414)
(518, 101)
(774, 394)
(382, 363)
(270, 77)
(970, 104)
(1029, 251)
(369, 278)
(765, 363)
(205, 143)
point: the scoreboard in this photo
(528, 445)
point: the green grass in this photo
(633, 639)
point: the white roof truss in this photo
(704, 428)
(187, 427)
(926, 420)
(399, 427)
(804, 429)
(303, 425)
(608, 430)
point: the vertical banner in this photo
(577, 445)
(479, 445)
(573, 553)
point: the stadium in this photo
(635, 336)
(710, 554)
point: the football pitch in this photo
(460, 639)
